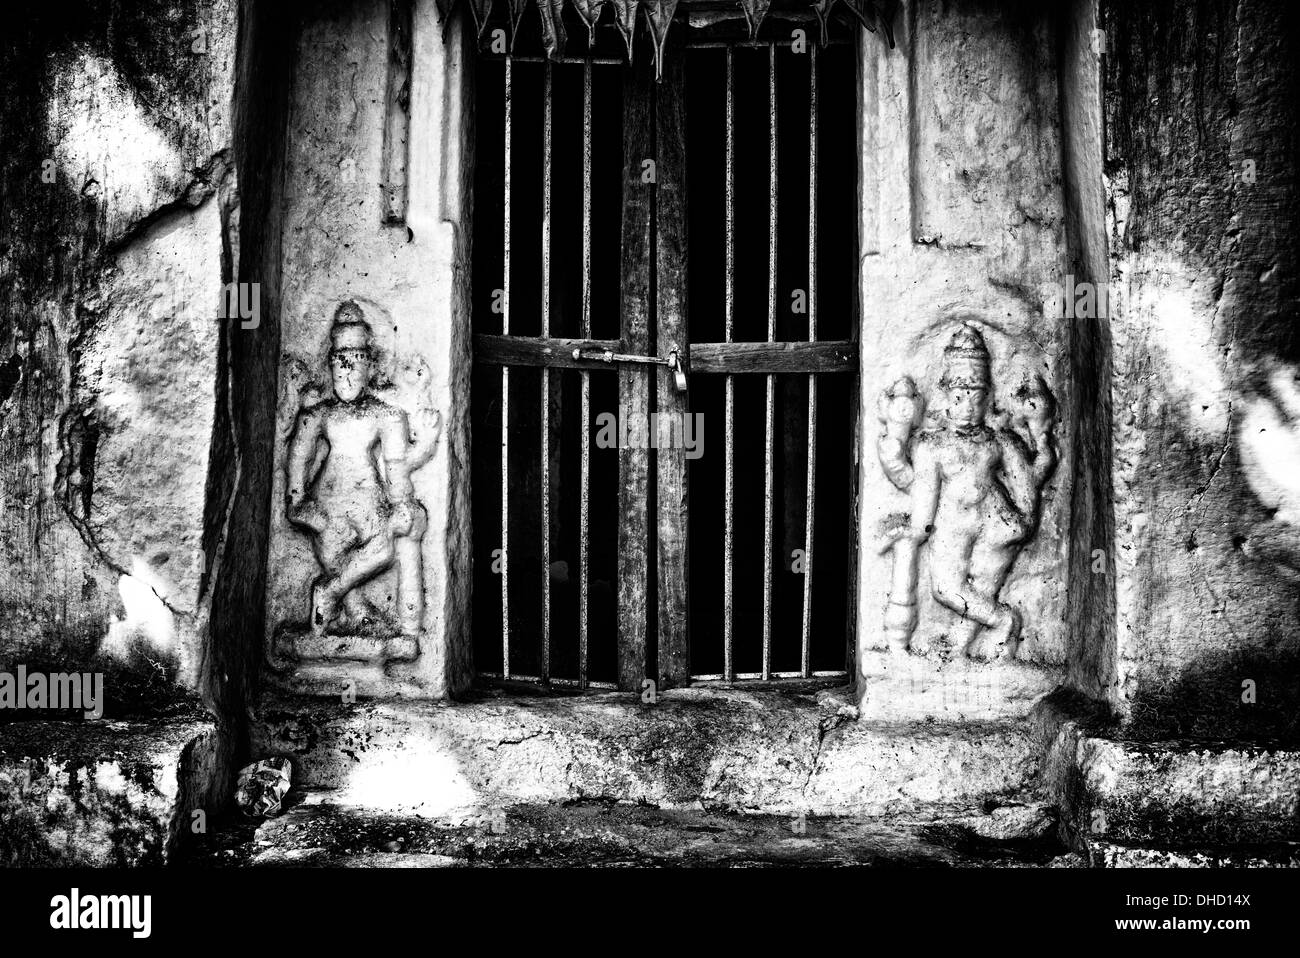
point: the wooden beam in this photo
(634, 381)
(535, 351)
(834, 356)
(670, 307)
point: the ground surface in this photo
(317, 832)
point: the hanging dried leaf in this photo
(875, 14)
(872, 14)
(589, 13)
(480, 10)
(553, 37)
(659, 14)
(887, 16)
(517, 8)
(625, 20)
(863, 11)
(823, 10)
(755, 11)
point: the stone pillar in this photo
(367, 578)
(967, 413)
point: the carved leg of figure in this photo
(357, 610)
(375, 555)
(332, 546)
(990, 563)
(324, 605)
(354, 566)
(950, 567)
(964, 632)
(999, 640)
(982, 640)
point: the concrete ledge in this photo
(774, 752)
(104, 793)
(1174, 793)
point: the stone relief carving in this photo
(975, 491)
(348, 486)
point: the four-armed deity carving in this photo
(974, 493)
(348, 486)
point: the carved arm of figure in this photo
(1039, 419)
(299, 468)
(899, 410)
(900, 615)
(424, 438)
(1028, 460)
(395, 447)
(405, 449)
(409, 520)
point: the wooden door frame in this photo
(653, 320)
(633, 382)
(672, 329)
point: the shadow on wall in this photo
(1248, 692)
(1251, 694)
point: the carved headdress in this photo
(966, 360)
(350, 332)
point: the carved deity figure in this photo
(349, 466)
(974, 492)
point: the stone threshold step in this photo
(1169, 793)
(103, 792)
(745, 750)
(317, 832)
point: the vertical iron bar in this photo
(728, 566)
(505, 391)
(768, 466)
(584, 518)
(546, 377)
(809, 526)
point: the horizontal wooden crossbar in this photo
(550, 352)
(832, 356)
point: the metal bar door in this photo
(654, 363)
(730, 359)
(643, 345)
